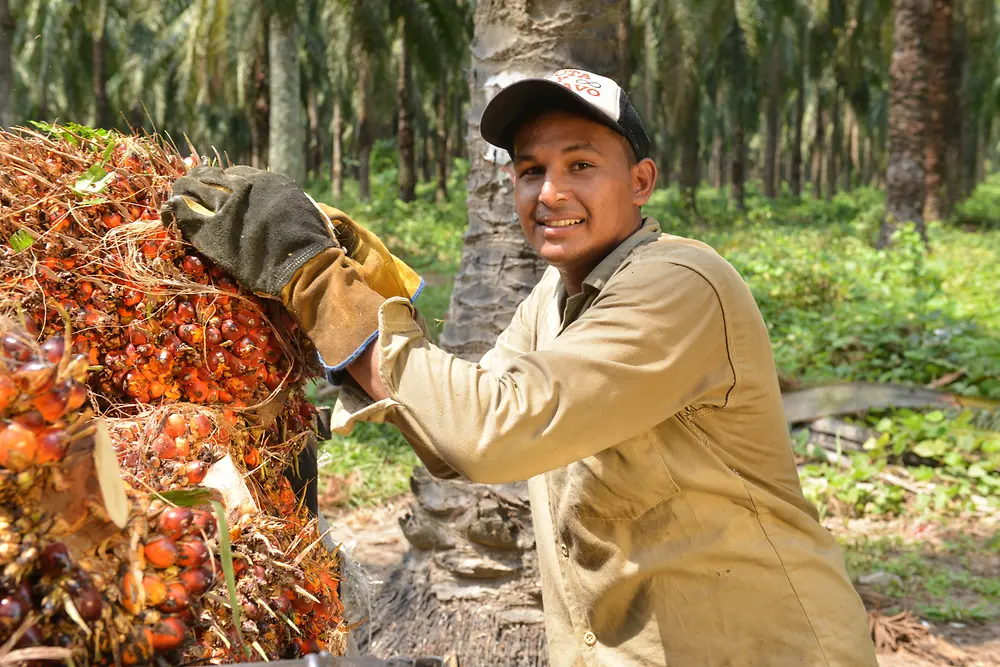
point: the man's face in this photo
(576, 189)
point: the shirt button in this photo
(564, 549)
(589, 638)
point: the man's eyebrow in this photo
(582, 146)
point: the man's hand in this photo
(365, 371)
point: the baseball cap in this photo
(593, 95)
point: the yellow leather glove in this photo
(382, 271)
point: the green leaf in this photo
(93, 202)
(107, 151)
(52, 129)
(188, 497)
(93, 181)
(934, 417)
(976, 470)
(21, 240)
(930, 448)
(226, 553)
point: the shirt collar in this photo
(601, 274)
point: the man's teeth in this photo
(562, 223)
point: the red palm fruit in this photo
(188, 374)
(16, 349)
(138, 648)
(164, 447)
(260, 338)
(169, 634)
(203, 522)
(32, 420)
(131, 297)
(197, 391)
(192, 334)
(77, 396)
(281, 604)
(302, 604)
(176, 425)
(193, 265)
(88, 602)
(252, 457)
(130, 594)
(32, 377)
(213, 336)
(176, 600)
(225, 396)
(174, 522)
(136, 336)
(131, 354)
(156, 590)
(55, 559)
(247, 319)
(185, 311)
(51, 446)
(205, 374)
(18, 446)
(161, 552)
(53, 349)
(216, 362)
(144, 350)
(201, 426)
(253, 611)
(272, 381)
(192, 552)
(195, 471)
(11, 613)
(244, 348)
(183, 448)
(164, 357)
(157, 389)
(196, 579)
(8, 391)
(115, 361)
(232, 330)
(111, 220)
(307, 646)
(52, 404)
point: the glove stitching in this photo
(297, 260)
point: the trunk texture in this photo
(461, 123)
(314, 142)
(365, 138)
(404, 127)
(261, 109)
(795, 177)
(99, 78)
(938, 105)
(470, 541)
(956, 109)
(441, 153)
(286, 154)
(6, 71)
(836, 146)
(426, 155)
(690, 148)
(719, 143)
(817, 156)
(337, 159)
(848, 154)
(772, 119)
(904, 178)
(739, 167)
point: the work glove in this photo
(269, 235)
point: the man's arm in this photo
(651, 344)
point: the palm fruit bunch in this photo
(197, 383)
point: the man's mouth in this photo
(569, 222)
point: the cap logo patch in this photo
(599, 91)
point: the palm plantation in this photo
(760, 112)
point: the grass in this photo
(837, 309)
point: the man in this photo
(634, 389)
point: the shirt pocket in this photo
(621, 482)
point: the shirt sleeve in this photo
(652, 343)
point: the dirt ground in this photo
(372, 535)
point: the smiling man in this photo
(634, 389)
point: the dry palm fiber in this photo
(190, 373)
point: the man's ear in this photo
(644, 175)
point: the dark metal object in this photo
(327, 660)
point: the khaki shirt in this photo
(645, 412)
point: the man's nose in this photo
(552, 193)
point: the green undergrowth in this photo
(837, 310)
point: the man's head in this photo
(580, 166)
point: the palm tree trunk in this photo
(719, 142)
(6, 71)
(260, 112)
(836, 145)
(99, 79)
(314, 142)
(404, 127)
(690, 148)
(738, 166)
(817, 155)
(460, 122)
(795, 177)
(772, 119)
(365, 138)
(286, 154)
(441, 153)
(337, 159)
(939, 57)
(904, 179)
(498, 270)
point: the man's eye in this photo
(530, 171)
(581, 165)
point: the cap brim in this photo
(501, 115)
